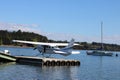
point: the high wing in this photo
(42, 43)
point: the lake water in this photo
(91, 68)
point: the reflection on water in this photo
(26, 72)
(91, 68)
(3, 65)
(60, 73)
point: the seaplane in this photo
(52, 48)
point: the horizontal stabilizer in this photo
(75, 52)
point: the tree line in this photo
(6, 38)
(97, 46)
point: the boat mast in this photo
(101, 35)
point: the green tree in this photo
(0, 41)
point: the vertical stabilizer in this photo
(71, 43)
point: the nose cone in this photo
(35, 48)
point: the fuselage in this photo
(53, 50)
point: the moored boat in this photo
(99, 53)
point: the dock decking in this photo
(46, 61)
(6, 57)
(38, 60)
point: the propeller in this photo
(35, 48)
(39, 48)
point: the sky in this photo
(64, 19)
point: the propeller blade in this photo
(34, 48)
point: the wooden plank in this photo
(7, 57)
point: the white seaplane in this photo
(52, 48)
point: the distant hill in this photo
(97, 46)
(6, 38)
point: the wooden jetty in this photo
(6, 57)
(37, 60)
(46, 61)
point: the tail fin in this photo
(68, 49)
(71, 43)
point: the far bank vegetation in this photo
(6, 38)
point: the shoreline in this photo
(15, 46)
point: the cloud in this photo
(65, 36)
(15, 27)
(112, 39)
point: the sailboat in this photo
(100, 52)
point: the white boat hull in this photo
(99, 53)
